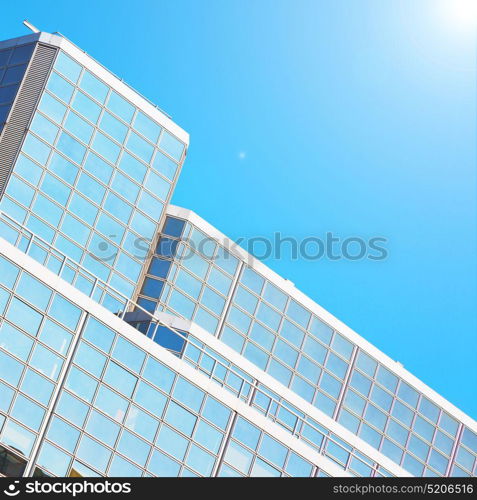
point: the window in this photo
(140, 147)
(188, 394)
(94, 87)
(171, 145)
(147, 127)
(246, 433)
(129, 354)
(86, 107)
(67, 67)
(24, 316)
(53, 108)
(252, 280)
(93, 453)
(172, 442)
(120, 107)
(120, 379)
(65, 312)
(103, 428)
(106, 147)
(387, 379)
(60, 87)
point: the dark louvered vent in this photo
(23, 108)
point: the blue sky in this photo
(353, 117)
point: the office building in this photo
(138, 340)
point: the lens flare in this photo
(461, 14)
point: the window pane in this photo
(93, 86)
(67, 66)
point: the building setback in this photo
(138, 340)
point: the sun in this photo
(462, 14)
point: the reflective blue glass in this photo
(252, 280)
(120, 379)
(93, 453)
(298, 313)
(65, 312)
(147, 127)
(134, 448)
(139, 147)
(321, 330)
(106, 147)
(208, 436)
(78, 127)
(46, 362)
(93, 86)
(246, 433)
(102, 428)
(171, 145)
(24, 316)
(81, 384)
(27, 412)
(128, 354)
(60, 87)
(37, 387)
(188, 394)
(297, 466)
(172, 442)
(161, 465)
(123, 468)
(111, 403)
(200, 460)
(157, 185)
(20, 191)
(113, 127)
(37, 149)
(54, 460)
(44, 128)
(86, 107)
(52, 107)
(47, 210)
(180, 418)
(15, 342)
(72, 409)
(28, 169)
(120, 107)
(158, 374)
(55, 189)
(125, 187)
(64, 169)
(165, 165)
(90, 359)
(238, 456)
(63, 434)
(71, 147)
(141, 423)
(98, 334)
(67, 67)
(18, 437)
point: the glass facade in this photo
(87, 198)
